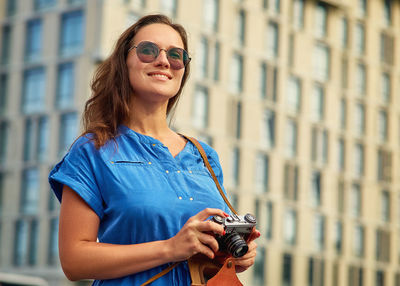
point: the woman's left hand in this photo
(247, 260)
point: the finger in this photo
(253, 235)
(210, 226)
(206, 213)
(209, 241)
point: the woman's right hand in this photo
(197, 236)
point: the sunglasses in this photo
(148, 52)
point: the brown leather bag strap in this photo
(165, 271)
(207, 163)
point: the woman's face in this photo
(155, 81)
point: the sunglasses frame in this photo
(184, 53)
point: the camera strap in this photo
(210, 169)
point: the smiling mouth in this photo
(160, 75)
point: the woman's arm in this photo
(83, 257)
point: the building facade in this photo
(299, 97)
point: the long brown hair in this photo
(109, 105)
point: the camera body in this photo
(237, 228)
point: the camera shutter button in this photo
(250, 218)
(218, 219)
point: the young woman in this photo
(135, 196)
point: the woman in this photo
(135, 195)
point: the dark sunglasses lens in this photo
(147, 52)
(178, 58)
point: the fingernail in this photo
(226, 214)
(223, 233)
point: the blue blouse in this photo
(140, 192)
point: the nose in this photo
(162, 59)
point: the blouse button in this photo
(149, 163)
(180, 198)
(154, 144)
(178, 171)
(190, 172)
(166, 171)
(191, 199)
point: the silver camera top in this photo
(236, 223)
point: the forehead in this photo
(161, 34)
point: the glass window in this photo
(291, 182)
(316, 188)
(30, 191)
(317, 103)
(53, 242)
(385, 87)
(358, 241)
(12, 7)
(238, 126)
(236, 74)
(385, 206)
(380, 278)
(319, 146)
(34, 90)
(387, 12)
(68, 131)
(298, 14)
(211, 15)
(338, 236)
(268, 129)
(79, 2)
(344, 33)
(4, 133)
(6, 41)
(355, 276)
(241, 27)
(272, 5)
(382, 249)
(382, 126)
(359, 38)
(200, 108)
(290, 227)
(269, 220)
(21, 242)
(202, 58)
(217, 52)
(65, 86)
(359, 119)
(43, 139)
(341, 197)
(387, 48)
(44, 4)
(384, 165)
(170, 7)
(72, 33)
(344, 73)
(321, 62)
(263, 81)
(341, 154)
(355, 200)
(259, 266)
(34, 39)
(321, 14)
(359, 160)
(3, 93)
(29, 139)
(235, 165)
(261, 173)
(319, 230)
(287, 270)
(291, 138)
(316, 272)
(272, 40)
(343, 113)
(362, 8)
(293, 94)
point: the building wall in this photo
(299, 98)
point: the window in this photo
(200, 107)
(359, 119)
(211, 15)
(81, 2)
(355, 201)
(240, 28)
(362, 10)
(261, 173)
(68, 131)
(272, 40)
(291, 138)
(294, 94)
(340, 197)
(359, 39)
(263, 80)
(202, 59)
(382, 126)
(44, 4)
(268, 82)
(343, 113)
(316, 272)
(318, 233)
(269, 220)
(298, 14)
(290, 227)
(358, 241)
(384, 166)
(217, 52)
(355, 276)
(4, 133)
(235, 166)
(385, 88)
(72, 33)
(34, 91)
(30, 191)
(344, 32)
(259, 266)
(338, 237)
(11, 7)
(385, 206)
(387, 48)
(65, 86)
(291, 181)
(36, 139)
(387, 13)
(272, 5)
(341, 154)
(319, 146)
(382, 245)
(321, 15)
(359, 160)
(321, 62)
(170, 7)
(33, 46)
(344, 74)
(236, 74)
(316, 188)
(268, 129)
(43, 139)
(317, 103)
(3, 93)
(287, 270)
(26, 242)
(6, 42)
(52, 257)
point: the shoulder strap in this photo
(207, 163)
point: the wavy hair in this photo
(109, 105)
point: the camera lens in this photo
(234, 244)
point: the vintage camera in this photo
(237, 228)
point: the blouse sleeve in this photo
(76, 170)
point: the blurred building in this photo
(299, 97)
